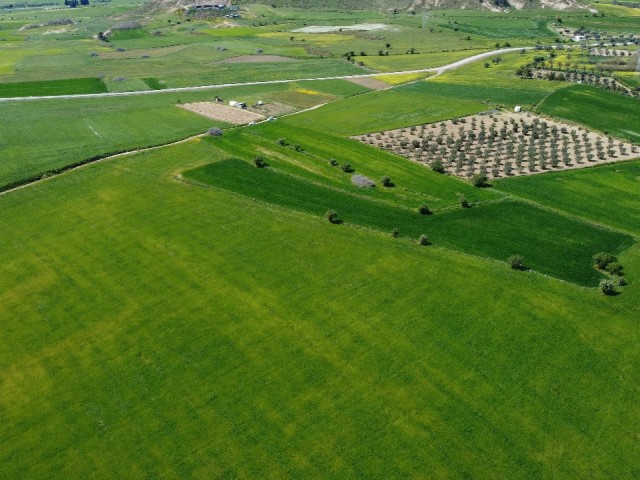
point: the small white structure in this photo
(233, 103)
(517, 109)
(579, 38)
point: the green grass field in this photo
(563, 248)
(178, 313)
(610, 113)
(608, 194)
(53, 87)
(174, 331)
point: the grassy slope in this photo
(609, 195)
(88, 127)
(171, 331)
(596, 108)
(551, 243)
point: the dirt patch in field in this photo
(339, 28)
(502, 145)
(274, 109)
(257, 59)
(369, 82)
(224, 113)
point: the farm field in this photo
(89, 127)
(177, 312)
(606, 112)
(253, 341)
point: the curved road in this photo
(437, 70)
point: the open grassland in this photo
(414, 185)
(609, 195)
(39, 136)
(563, 248)
(172, 331)
(607, 112)
(403, 106)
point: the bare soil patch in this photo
(339, 28)
(257, 59)
(369, 82)
(223, 113)
(502, 145)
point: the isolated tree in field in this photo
(346, 167)
(479, 180)
(424, 210)
(332, 216)
(260, 162)
(423, 240)
(282, 142)
(386, 181)
(464, 203)
(516, 262)
(607, 287)
(395, 233)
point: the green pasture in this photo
(563, 248)
(401, 107)
(85, 128)
(413, 183)
(595, 108)
(608, 195)
(156, 329)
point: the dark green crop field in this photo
(614, 114)
(553, 244)
(53, 87)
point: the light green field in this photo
(86, 128)
(169, 333)
(153, 327)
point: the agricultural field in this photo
(189, 289)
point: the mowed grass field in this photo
(152, 328)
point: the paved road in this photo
(437, 70)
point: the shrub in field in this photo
(423, 240)
(424, 210)
(437, 166)
(297, 148)
(333, 162)
(282, 142)
(464, 203)
(516, 262)
(215, 132)
(346, 167)
(395, 233)
(479, 180)
(332, 216)
(614, 268)
(602, 259)
(260, 162)
(386, 181)
(607, 287)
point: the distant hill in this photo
(405, 5)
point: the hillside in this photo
(496, 5)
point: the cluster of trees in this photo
(479, 149)
(75, 3)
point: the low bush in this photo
(516, 262)
(423, 240)
(260, 162)
(332, 216)
(346, 167)
(607, 287)
(424, 210)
